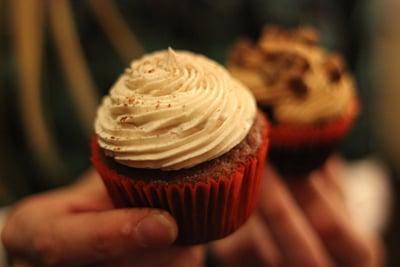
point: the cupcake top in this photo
(173, 110)
(288, 72)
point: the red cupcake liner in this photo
(297, 150)
(292, 135)
(204, 210)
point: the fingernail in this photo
(156, 230)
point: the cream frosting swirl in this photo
(288, 71)
(173, 110)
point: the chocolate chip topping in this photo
(283, 68)
(298, 87)
(334, 75)
(334, 67)
(281, 59)
(281, 64)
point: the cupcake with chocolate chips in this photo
(306, 92)
(177, 132)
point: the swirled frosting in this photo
(173, 110)
(287, 71)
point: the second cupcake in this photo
(306, 92)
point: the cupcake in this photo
(306, 92)
(177, 132)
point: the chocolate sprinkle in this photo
(287, 61)
(334, 75)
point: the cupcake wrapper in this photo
(299, 162)
(289, 135)
(204, 211)
(298, 150)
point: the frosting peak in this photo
(172, 60)
(173, 110)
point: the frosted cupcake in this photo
(306, 92)
(177, 132)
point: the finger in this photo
(333, 171)
(89, 194)
(327, 216)
(264, 244)
(88, 181)
(98, 236)
(376, 246)
(251, 245)
(297, 241)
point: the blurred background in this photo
(58, 57)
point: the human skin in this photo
(302, 223)
(78, 226)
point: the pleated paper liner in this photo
(297, 150)
(206, 210)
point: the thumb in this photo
(97, 236)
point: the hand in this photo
(77, 226)
(302, 223)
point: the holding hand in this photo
(78, 226)
(300, 223)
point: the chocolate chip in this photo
(278, 58)
(298, 87)
(334, 75)
(272, 57)
(287, 61)
(335, 67)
